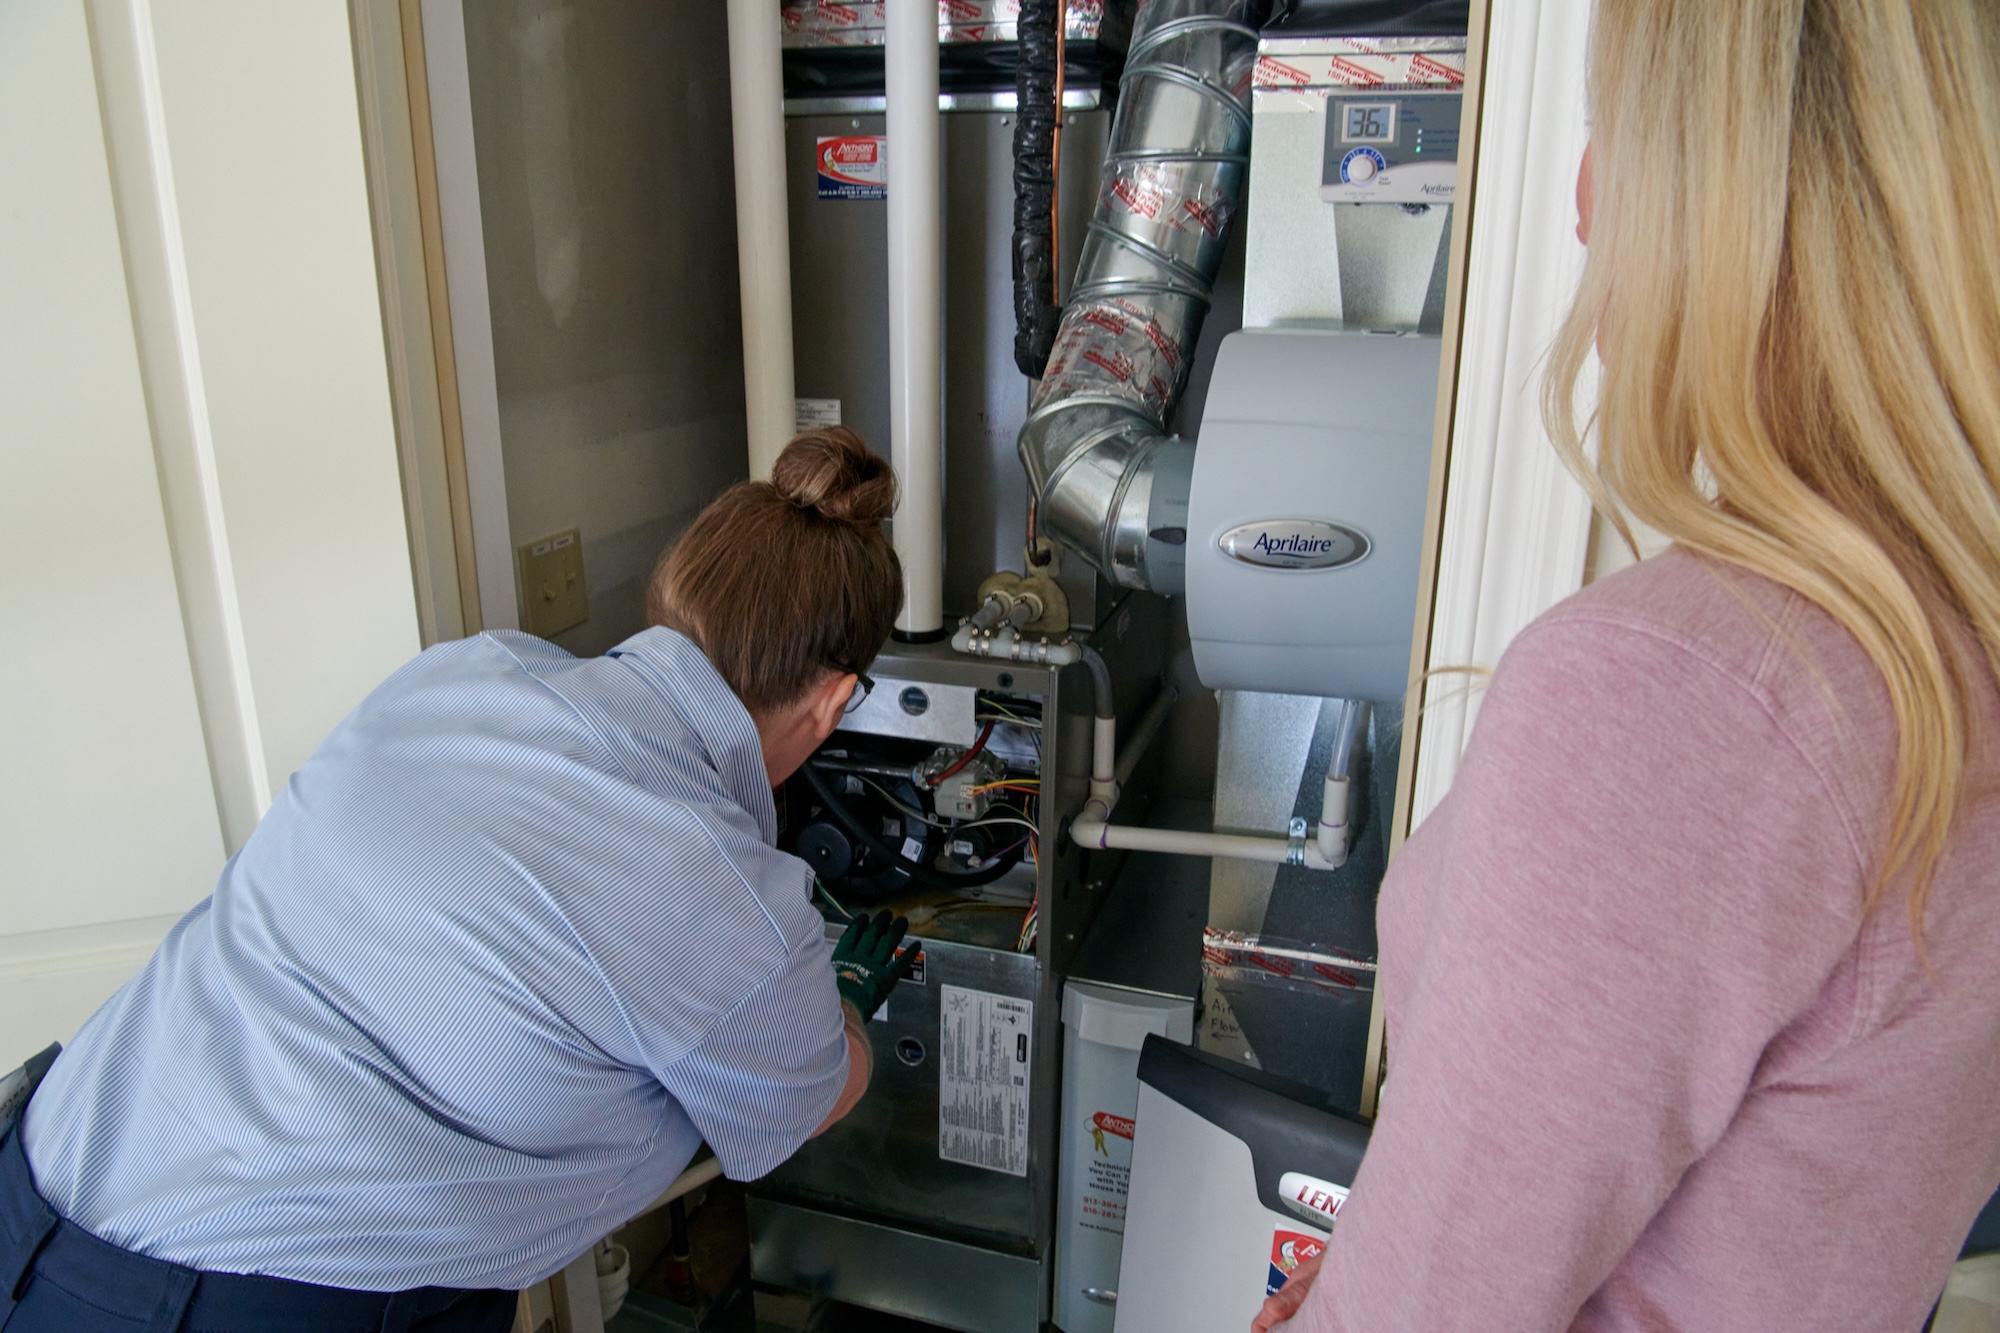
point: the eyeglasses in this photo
(864, 686)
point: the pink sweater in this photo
(1650, 1066)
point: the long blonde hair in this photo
(1794, 275)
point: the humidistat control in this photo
(1391, 148)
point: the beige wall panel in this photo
(199, 488)
(614, 304)
(106, 808)
(264, 133)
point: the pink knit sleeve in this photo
(1637, 881)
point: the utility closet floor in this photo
(852, 1319)
(644, 1317)
(714, 1294)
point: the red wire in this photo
(967, 757)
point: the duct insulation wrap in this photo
(1109, 483)
(1035, 84)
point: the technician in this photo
(506, 950)
(1690, 981)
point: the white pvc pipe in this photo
(1096, 834)
(763, 232)
(911, 68)
(1103, 768)
(1326, 851)
(1332, 840)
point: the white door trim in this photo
(1516, 524)
(471, 311)
(135, 130)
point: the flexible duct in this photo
(1110, 484)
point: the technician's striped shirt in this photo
(509, 945)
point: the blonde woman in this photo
(1693, 982)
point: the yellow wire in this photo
(1007, 782)
(1010, 713)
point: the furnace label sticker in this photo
(811, 413)
(1289, 1249)
(853, 166)
(985, 1055)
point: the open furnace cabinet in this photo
(935, 1196)
(556, 247)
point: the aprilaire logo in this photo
(1295, 543)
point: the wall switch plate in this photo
(553, 598)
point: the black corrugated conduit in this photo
(1035, 124)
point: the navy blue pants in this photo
(56, 1277)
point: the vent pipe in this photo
(1109, 483)
(910, 59)
(763, 239)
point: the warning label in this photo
(811, 413)
(1107, 1173)
(1289, 1249)
(985, 1052)
(853, 166)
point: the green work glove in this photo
(865, 966)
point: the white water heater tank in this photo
(1306, 511)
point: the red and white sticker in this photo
(1310, 1194)
(853, 166)
(1361, 69)
(1121, 1125)
(1289, 1249)
(863, 22)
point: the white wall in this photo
(198, 473)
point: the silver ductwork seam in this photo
(1109, 483)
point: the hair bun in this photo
(830, 470)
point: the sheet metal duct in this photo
(1109, 483)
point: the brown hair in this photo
(780, 581)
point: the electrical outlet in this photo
(553, 598)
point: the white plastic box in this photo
(1305, 528)
(1103, 1028)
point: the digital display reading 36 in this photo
(1368, 122)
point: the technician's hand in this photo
(1277, 1309)
(865, 966)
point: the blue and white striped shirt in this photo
(507, 947)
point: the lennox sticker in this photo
(1295, 543)
(1318, 1199)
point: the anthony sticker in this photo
(1289, 1249)
(853, 166)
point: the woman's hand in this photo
(1277, 1309)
